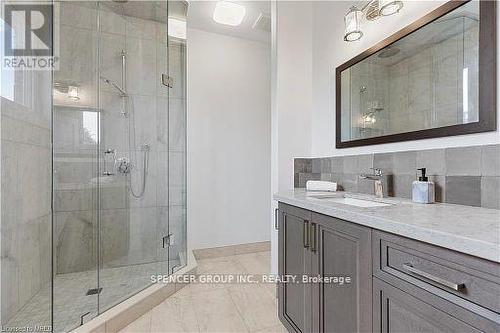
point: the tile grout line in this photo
(195, 312)
(234, 302)
(237, 310)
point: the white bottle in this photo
(422, 189)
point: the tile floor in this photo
(71, 301)
(218, 307)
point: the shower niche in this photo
(430, 79)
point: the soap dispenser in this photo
(423, 189)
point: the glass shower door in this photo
(119, 141)
(75, 143)
(177, 134)
(133, 214)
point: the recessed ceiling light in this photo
(229, 13)
(176, 28)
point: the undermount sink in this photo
(358, 202)
(350, 201)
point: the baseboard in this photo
(231, 250)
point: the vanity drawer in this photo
(448, 274)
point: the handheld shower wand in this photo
(114, 85)
(125, 165)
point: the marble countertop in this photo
(466, 229)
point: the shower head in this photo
(388, 52)
(114, 85)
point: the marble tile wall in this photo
(426, 88)
(464, 175)
(26, 193)
(416, 91)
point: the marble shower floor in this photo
(218, 307)
(71, 301)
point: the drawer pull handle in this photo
(305, 234)
(438, 280)
(312, 235)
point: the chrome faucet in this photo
(376, 176)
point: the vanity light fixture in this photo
(389, 7)
(73, 93)
(352, 21)
(372, 11)
(229, 13)
(69, 88)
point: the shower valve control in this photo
(123, 165)
(167, 80)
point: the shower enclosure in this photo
(118, 129)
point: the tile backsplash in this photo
(464, 175)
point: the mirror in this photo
(424, 81)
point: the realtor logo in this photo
(28, 40)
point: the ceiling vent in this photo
(263, 22)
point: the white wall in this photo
(329, 51)
(229, 140)
(294, 88)
(293, 94)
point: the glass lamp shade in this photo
(73, 93)
(352, 21)
(389, 7)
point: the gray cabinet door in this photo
(343, 252)
(293, 261)
(398, 311)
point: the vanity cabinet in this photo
(324, 248)
(294, 261)
(396, 284)
(343, 252)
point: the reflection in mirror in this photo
(427, 79)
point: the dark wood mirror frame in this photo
(487, 79)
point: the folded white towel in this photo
(317, 185)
